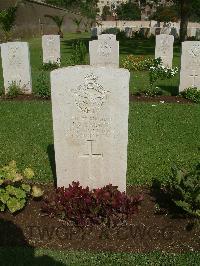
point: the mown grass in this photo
(158, 136)
(31, 257)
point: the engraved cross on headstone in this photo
(194, 76)
(91, 153)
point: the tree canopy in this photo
(128, 11)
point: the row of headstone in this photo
(190, 59)
(16, 61)
(103, 52)
(149, 31)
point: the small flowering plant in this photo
(153, 67)
(161, 72)
(139, 63)
(15, 188)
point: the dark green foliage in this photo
(166, 14)
(50, 66)
(111, 31)
(43, 86)
(79, 52)
(192, 94)
(7, 18)
(105, 12)
(83, 206)
(184, 190)
(14, 90)
(128, 11)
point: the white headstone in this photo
(90, 121)
(190, 65)
(16, 66)
(107, 37)
(51, 48)
(104, 53)
(128, 32)
(164, 49)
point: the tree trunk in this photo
(185, 13)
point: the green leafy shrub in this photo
(83, 206)
(79, 52)
(7, 20)
(161, 72)
(13, 90)
(121, 35)
(15, 189)
(43, 88)
(192, 94)
(50, 66)
(183, 188)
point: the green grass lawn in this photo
(158, 136)
(39, 257)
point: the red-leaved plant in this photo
(85, 207)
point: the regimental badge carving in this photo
(194, 51)
(51, 43)
(90, 96)
(194, 55)
(164, 46)
(104, 49)
(15, 56)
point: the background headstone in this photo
(107, 37)
(164, 49)
(174, 32)
(128, 32)
(95, 31)
(104, 53)
(90, 121)
(16, 66)
(51, 48)
(190, 65)
(198, 34)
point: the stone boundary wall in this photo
(30, 21)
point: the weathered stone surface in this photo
(51, 48)
(107, 37)
(164, 49)
(104, 53)
(90, 121)
(190, 65)
(16, 66)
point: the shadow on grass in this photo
(137, 47)
(172, 90)
(15, 249)
(69, 43)
(51, 155)
(164, 201)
